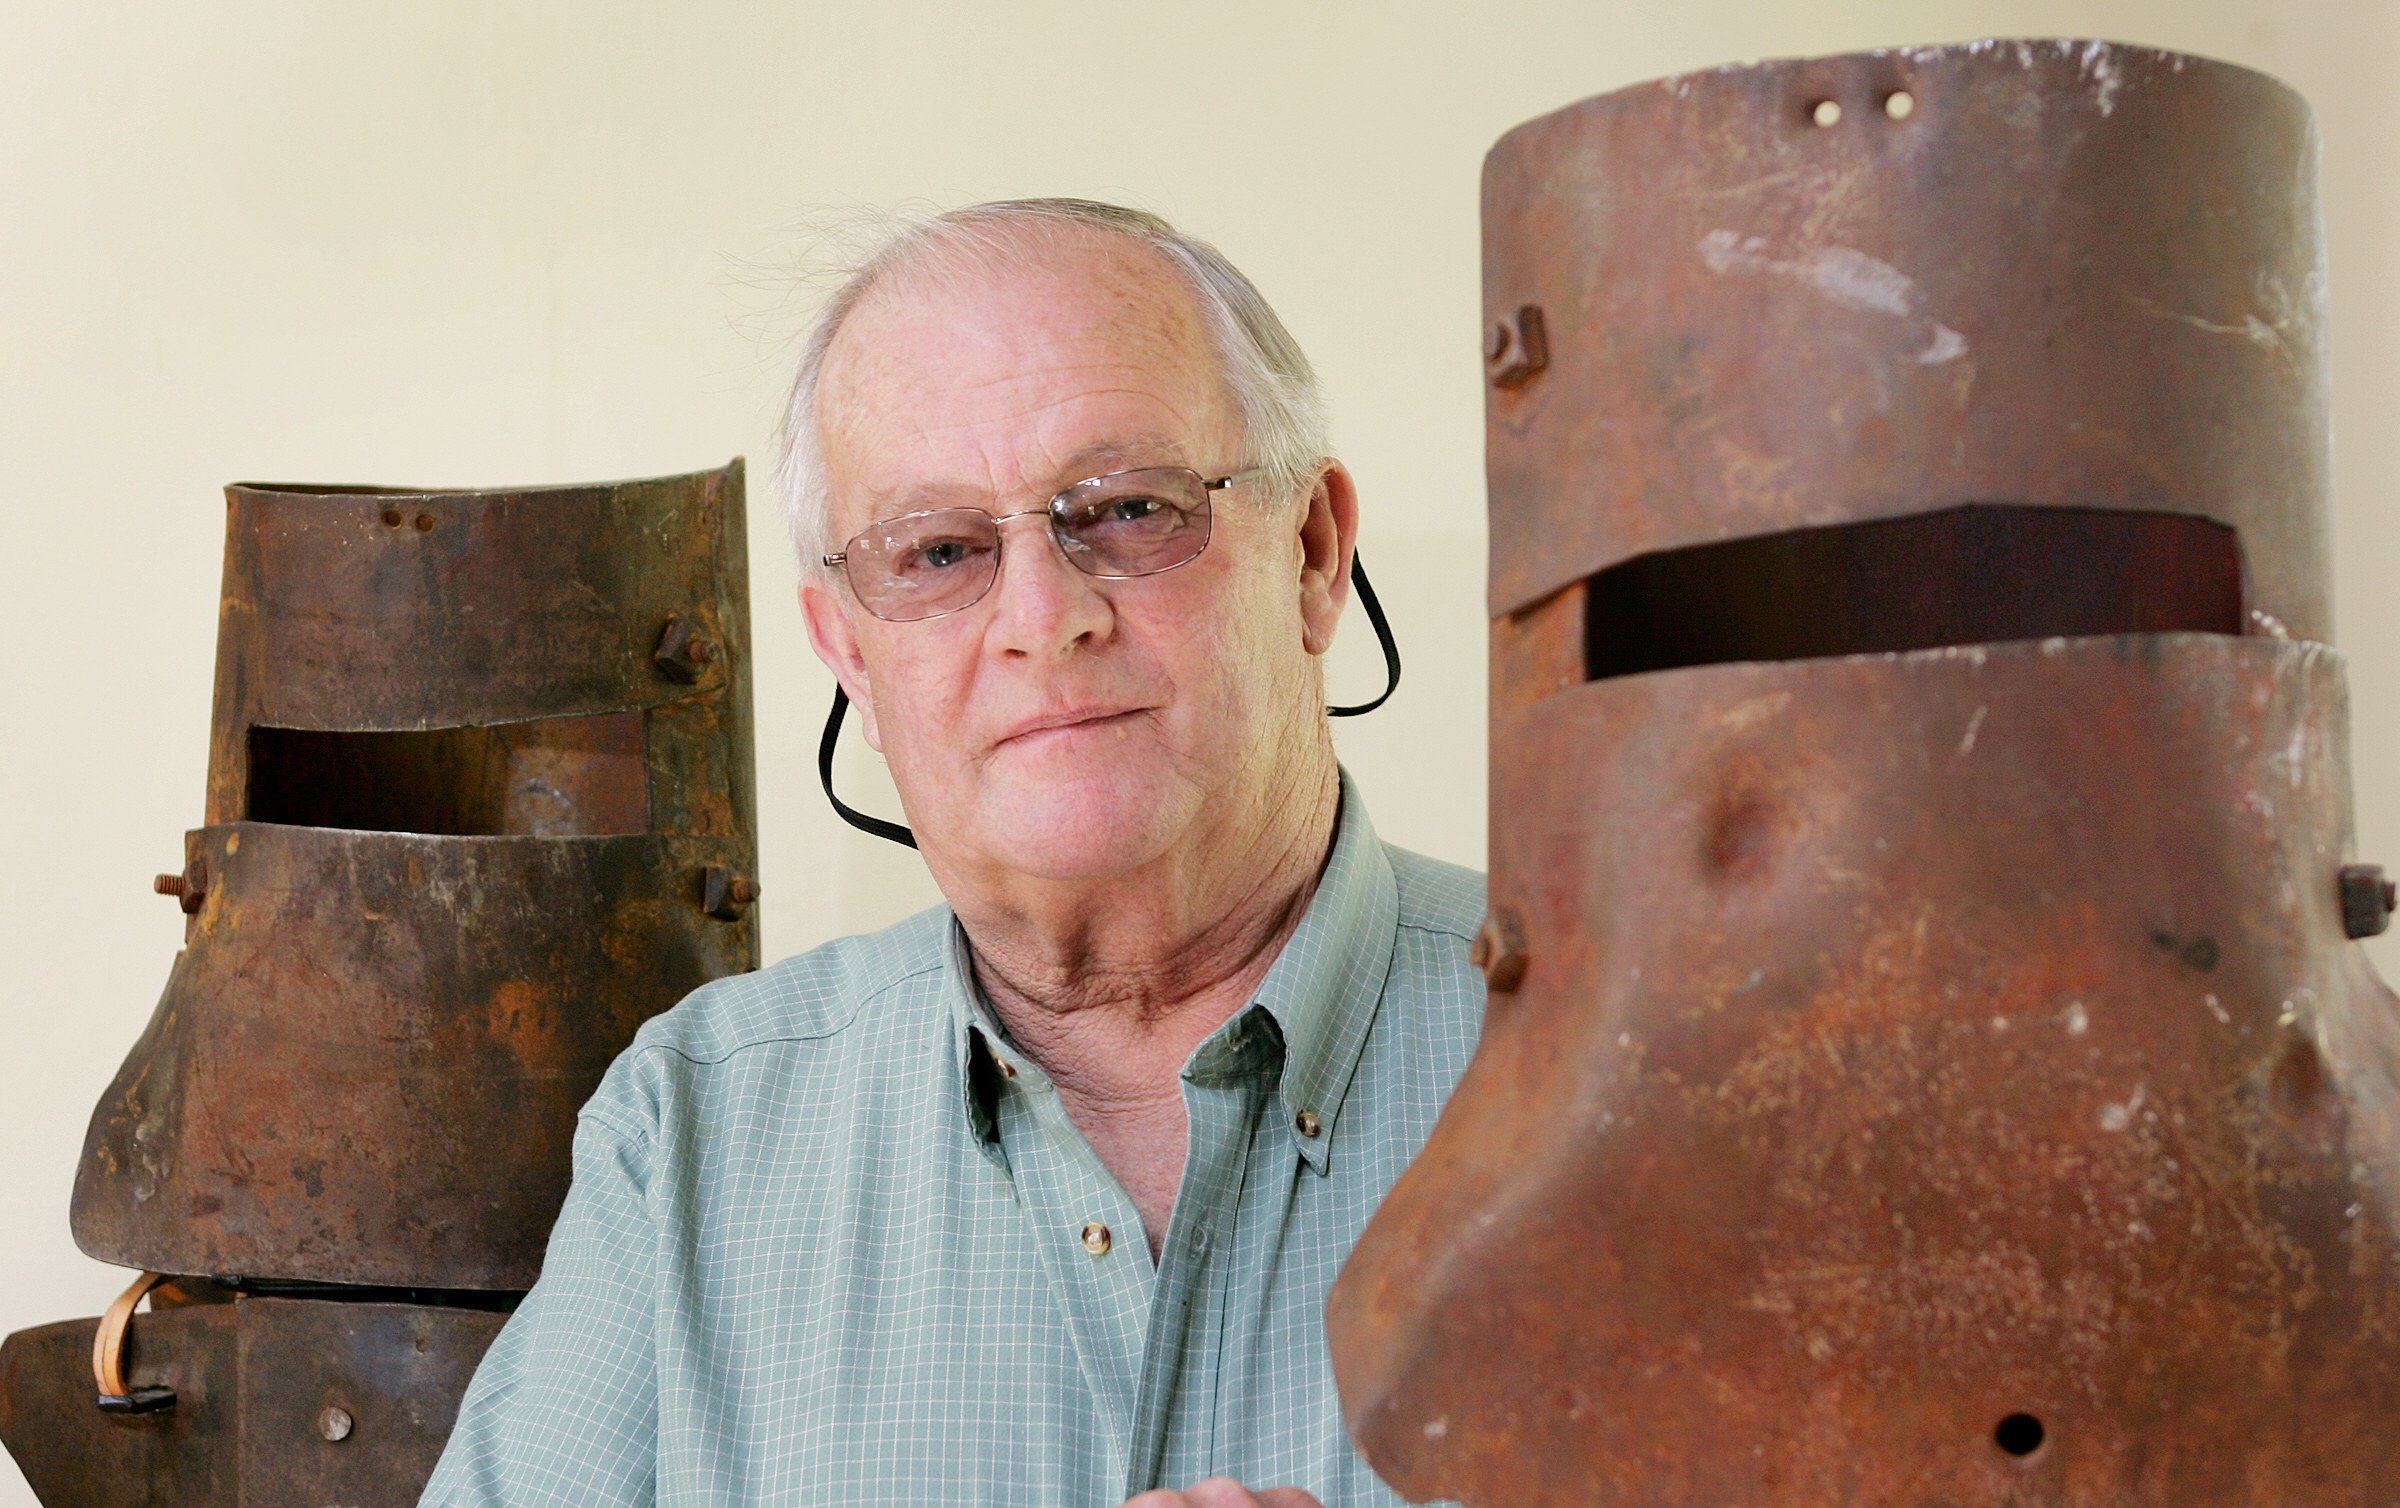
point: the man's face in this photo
(1065, 726)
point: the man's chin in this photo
(1081, 830)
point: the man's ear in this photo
(832, 636)
(1328, 538)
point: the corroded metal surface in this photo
(1904, 1044)
(366, 1066)
(1926, 1062)
(279, 1403)
(2074, 274)
(358, 609)
(462, 819)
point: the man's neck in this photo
(1111, 999)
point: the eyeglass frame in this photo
(900, 833)
(1049, 509)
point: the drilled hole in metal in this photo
(1982, 573)
(2020, 1435)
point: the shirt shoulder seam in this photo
(607, 1118)
(768, 1038)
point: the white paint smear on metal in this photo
(1843, 276)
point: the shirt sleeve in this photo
(564, 1408)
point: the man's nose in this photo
(1043, 606)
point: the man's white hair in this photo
(1270, 381)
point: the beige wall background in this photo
(443, 243)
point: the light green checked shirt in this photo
(833, 1240)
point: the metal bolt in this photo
(335, 1423)
(724, 894)
(683, 651)
(1518, 348)
(2368, 899)
(1499, 950)
(189, 887)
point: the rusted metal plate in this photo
(1907, 1043)
(2073, 273)
(379, 609)
(73, 1455)
(279, 1404)
(366, 1066)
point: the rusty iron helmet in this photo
(1927, 1058)
(480, 801)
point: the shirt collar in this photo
(1320, 994)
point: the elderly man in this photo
(1034, 1198)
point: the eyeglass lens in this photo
(1129, 523)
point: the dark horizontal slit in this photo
(1980, 573)
(225, 1288)
(552, 777)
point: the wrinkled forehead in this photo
(987, 377)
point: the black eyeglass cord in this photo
(899, 833)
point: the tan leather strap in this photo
(108, 1342)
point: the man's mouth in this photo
(1080, 720)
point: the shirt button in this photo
(1006, 1067)
(1306, 1120)
(1096, 1238)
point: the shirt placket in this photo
(1228, 1080)
(1143, 1335)
(1089, 1236)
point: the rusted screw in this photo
(683, 651)
(335, 1423)
(726, 895)
(2368, 899)
(1518, 347)
(189, 887)
(1499, 950)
